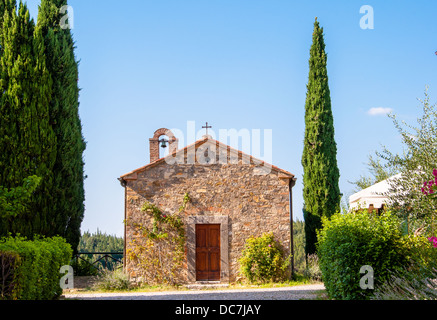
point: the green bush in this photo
(312, 269)
(263, 260)
(350, 241)
(405, 285)
(418, 279)
(8, 264)
(36, 274)
(112, 280)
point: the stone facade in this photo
(231, 193)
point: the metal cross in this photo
(206, 127)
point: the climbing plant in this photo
(160, 248)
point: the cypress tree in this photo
(6, 6)
(321, 175)
(27, 140)
(68, 184)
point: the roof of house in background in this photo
(373, 195)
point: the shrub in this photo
(404, 285)
(312, 269)
(112, 280)
(418, 279)
(263, 260)
(36, 268)
(348, 242)
(8, 263)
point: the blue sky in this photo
(241, 64)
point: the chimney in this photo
(155, 143)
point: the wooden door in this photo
(208, 252)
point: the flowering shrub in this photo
(430, 187)
(263, 260)
(433, 240)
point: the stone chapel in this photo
(232, 196)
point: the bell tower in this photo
(156, 142)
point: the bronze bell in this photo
(164, 143)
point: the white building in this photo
(372, 197)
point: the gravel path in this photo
(283, 293)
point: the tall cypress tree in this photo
(321, 175)
(27, 140)
(68, 186)
(5, 7)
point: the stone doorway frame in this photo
(223, 221)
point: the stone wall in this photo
(254, 204)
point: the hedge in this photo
(31, 268)
(350, 241)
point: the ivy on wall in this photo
(160, 250)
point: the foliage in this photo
(40, 129)
(160, 220)
(312, 224)
(112, 280)
(305, 266)
(84, 266)
(402, 285)
(263, 260)
(421, 253)
(321, 174)
(100, 242)
(27, 139)
(299, 245)
(67, 189)
(15, 201)
(97, 242)
(36, 276)
(348, 242)
(160, 250)
(312, 270)
(418, 279)
(414, 164)
(9, 261)
(433, 240)
(430, 187)
(378, 171)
